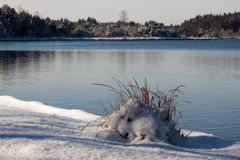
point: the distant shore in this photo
(23, 26)
(110, 39)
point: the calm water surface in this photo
(60, 73)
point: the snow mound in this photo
(136, 122)
(34, 106)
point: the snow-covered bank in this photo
(39, 107)
(113, 39)
(32, 130)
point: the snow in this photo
(42, 108)
(33, 130)
(136, 122)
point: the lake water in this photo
(60, 73)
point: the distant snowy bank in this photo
(112, 38)
(33, 130)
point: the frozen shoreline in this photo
(111, 39)
(33, 130)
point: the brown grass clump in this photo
(165, 102)
(136, 106)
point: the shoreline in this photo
(113, 39)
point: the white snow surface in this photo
(33, 130)
(39, 107)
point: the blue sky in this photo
(166, 11)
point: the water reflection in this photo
(214, 62)
(21, 65)
(15, 65)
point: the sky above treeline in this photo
(165, 11)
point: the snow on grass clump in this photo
(142, 115)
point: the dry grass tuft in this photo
(155, 99)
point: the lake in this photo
(61, 73)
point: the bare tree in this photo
(20, 9)
(123, 16)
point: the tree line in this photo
(22, 24)
(225, 25)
